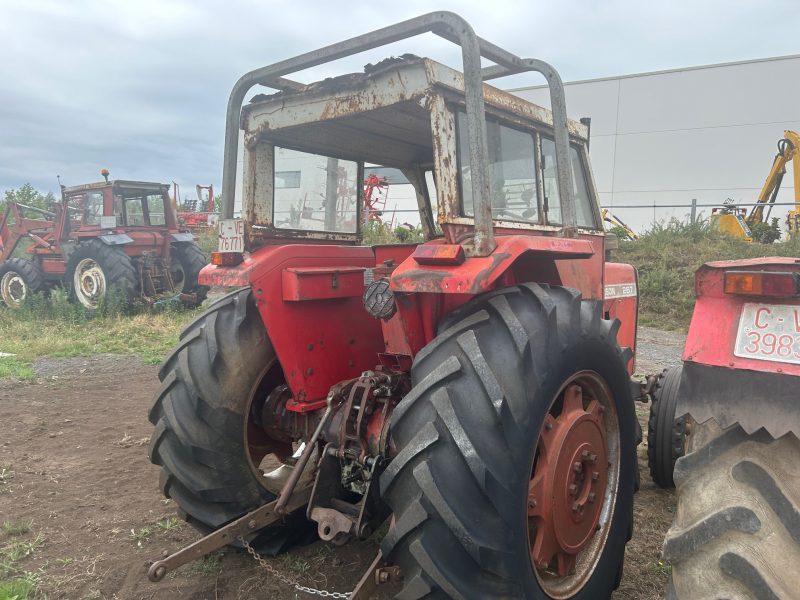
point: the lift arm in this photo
(788, 150)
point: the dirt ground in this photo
(74, 449)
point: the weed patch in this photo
(54, 327)
(16, 528)
(667, 257)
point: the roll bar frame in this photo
(455, 29)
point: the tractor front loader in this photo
(724, 430)
(474, 390)
(104, 236)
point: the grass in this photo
(6, 475)
(16, 528)
(15, 582)
(667, 257)
(53, 327)
(142, 535)
(169, 524)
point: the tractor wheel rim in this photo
(267, 457)
(573, 485)
(13, 289)
(89, 283)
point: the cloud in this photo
(141, 87)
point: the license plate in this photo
(769, 332)
(231, 235)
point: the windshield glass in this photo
(314, 192)
(139, 207)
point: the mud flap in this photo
(753, 399)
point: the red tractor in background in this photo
(108, 235)
(724, 429)
(475, 389)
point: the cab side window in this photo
(583, 201)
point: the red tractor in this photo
(733, 450)
(101, 236)
(474, 390)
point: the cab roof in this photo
(118, 183)
(383, 112)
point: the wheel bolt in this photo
(592, 497)
(543, 565)
(548, 426)
(595, 476)
(577, 467)
(573, 490)
(585, 454)
(531, 503)
(593, 458)
(575, 507)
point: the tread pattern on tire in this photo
(665, 434)
(192, 260)
(736, 532)
(450, 548)
(117, 266)
(31, 273)
(198, 414)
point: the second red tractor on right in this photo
(734, 446)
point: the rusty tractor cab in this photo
(475, 387)
(724, 431)
(107, 235)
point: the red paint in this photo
(715, 322)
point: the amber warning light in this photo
(226, 259)
(762, 283)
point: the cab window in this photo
(512, 172)
(552, 201)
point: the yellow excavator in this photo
(733, 220)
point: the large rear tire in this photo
(205, 439)
(666, 435)
(19, 279)
(94, 269)
(473, 437)
(736, 532)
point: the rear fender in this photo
(621, 301)
(479, 274)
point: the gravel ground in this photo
(656, 350)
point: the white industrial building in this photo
(667, 137)
(664, 138)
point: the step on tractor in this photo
(473, 391)
(110, 235)
(724, 430)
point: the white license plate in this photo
(769, 332)
(231, 235)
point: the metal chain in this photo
(285, 578)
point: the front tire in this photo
(19, 279)
(472, 438)
(736, 532)
(666, 435)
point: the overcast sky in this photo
(140, 86)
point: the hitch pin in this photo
(300, 465)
